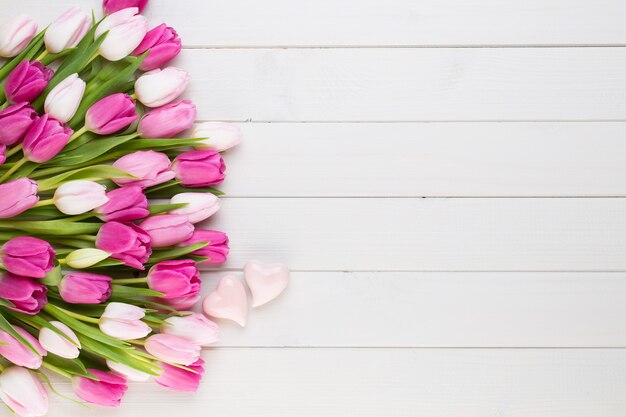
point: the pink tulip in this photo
(107, 391)
(27, 81)
(65, 345)
(177, 379)
(85, 288)
(45, 139)
(167, 121)
(217, 249)
(17, 196)
(163, 43)
(13, 350)
(111, 114)
(194, 327)
(3, 154)
(123, 321)
(27, 295)
(27, 256)
(67, 31)
(15, 121)
(112, 6)
(15, 35)
(150, 167)
(23, 392)
(127, 372)
(173, 349)
(177, 279)
(167, 229)
(126, 242)
(125, 204)
(199, 168)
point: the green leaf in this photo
(89, 151)
(91, 173)
(120, 355)
(6, 326)
(6, 303)
(164, 255)
(108, 263)
(52, 227)
(36, 322)
(173, 187)
(159, 144)
(164, 208)
(123, 291)
(53, 277)
(71, 366)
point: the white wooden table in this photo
(446, 178)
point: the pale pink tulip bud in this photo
(15, 35)
(199, 168)
(112, 6)
(194, 327)
(108, 390)
(67, 31)
(219, 136)
(15, 122)
(126, 242)
(23, 392)
(167, 229)
(85, 288)
(126, 31)
(177, 379)
(127, 372)
(80, 196)
(217, 249)
(200, 206)
(123, 321)
(159, 87)
(17, 196)
(125, 204)
(177, 279)
(150, 168)
(27, 81)
(45, 139)
(173, 349)
(14, 351)
(58, 344)
(27, 295)
(27, 256)
(163, 43)
(167, 121)
(111, 114)
(63, 100)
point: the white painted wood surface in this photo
(402, 305)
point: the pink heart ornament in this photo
(266, 280)
(228, 300)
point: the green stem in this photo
(80, 217)
(74, 315)
(56, 370)
(136, 342)
(86, 237)
(43, 203)
(14, 150)
(14, 168)
(42, 55)
(1, 367)
(78, 133)
(4, 105)
(130, 280)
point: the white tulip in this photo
(200, 206)
(67, 31)
(23, 392)
(194, 327)
(15, 35)
(126, 31)
(219, 136)
(127, 372)
(123, 321)
(161, 86)
(57, 344)
(86, 257)
(64, 99)
(80, 196)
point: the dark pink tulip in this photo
(167, 229)
(217, 249)
(27, 81)
(107, 391)
(45, 139)
(167, 121)
(178, 379)
(126, 242)
(199, 168)
(85, 288)
(163, 43)
(112, 6)
(17, 196)
(13, 350)
(27, 256)
(111, 114)
(125, 204)
(150, 168)
(177, 279)
(27, 295)
(15, 121)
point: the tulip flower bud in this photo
(159, 87)
(45, 139)
(126, 31)
(27, 295)
(27, 256)
(108, 390)
(194, 327)
(111, 114)
(200, 206)
(167, 229)
(178, 379)
(123, 321)
(58, 344)
(3, 154)
(84, 258)
(173, 349)
(219, 136)
(23, 393)
(163, 45)
(126, 242)
(85, 288)
(15, 121)
(127, 372)
(15, 35)
(125, 204)
(63, 100)
(217, 249)
(27, 81)
(17, 196)
(167, 121)
(178, 280)
(67, 31)
(199, 168)
(150, 168)
(13, 350)
(112, 6)
(80, 196)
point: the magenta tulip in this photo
(13, 350)
(85, 288)
(17, 196)
(125, 204)
(167, 229)
(111, 114)
(199, 168)
(167, 121)
(27, 256)
(173, 349)
(107, 391)
(163, 45)
(126, 242)
(112, 6)
(27, 295)
(177, 279)
(177, 379)
(45, 139)
(27, 81)
(150, 168)
(15, 121)
(217, 249)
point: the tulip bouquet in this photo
(97, 279)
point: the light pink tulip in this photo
(13, 350)
(150, 167)
(58, 344)
(199, 168)
(111, 114)
(15, 35)
(45, 139)
(194, 327)
(217, 249)
(173, 349)
(27, 81)
(27, 295)
(15, 122)
(127, 372)
(85, 288)
(178, 379)
(23, 392)
(27, 256)
(126, 29)
(161, 86)
(63, 100)
(107, 391)
(200, 206)
(125, 204)
(112, 6)
(17, 196)
(79, 196)
(178, 280)
(219, 136)
(163, 45)
(123, 321)
(125, 242)
(167, 121)
(167, 229)
(67, 31)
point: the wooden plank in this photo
(428, 159)
(428, 234)
(388, 382)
